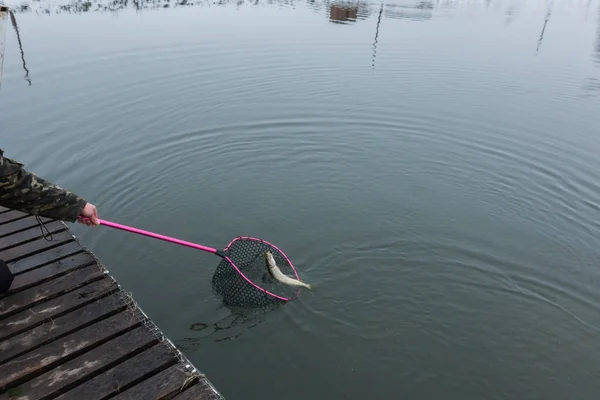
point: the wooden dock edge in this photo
(134, 308)
(69, 331)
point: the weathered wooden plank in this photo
(20, 224)
(33, 364)
(122, 376)
(49, 271)
(44, 257)
(30, 234)
(80, 368)
(200, 391)
(54, 328)
(37, 315)
(167, 383)
(19, 301)
(17, 252)
(11, 216)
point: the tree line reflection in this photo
(337, 11)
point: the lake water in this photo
(431, 167)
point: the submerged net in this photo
(242, 280)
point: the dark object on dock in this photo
(6, 277)
(68, 331)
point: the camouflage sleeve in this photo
(24, 191)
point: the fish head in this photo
(269, 258)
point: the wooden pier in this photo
(68, 331)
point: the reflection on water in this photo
(592, 83)
(511, 13)
(596, 53)
(377, 35)
(229, 327)
(13, 20)
(548, 14)
(421, 11)
(338, 12)
(342, 14)
(348, 13)
(3, 29)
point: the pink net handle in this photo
(158, 236)
(207, 249)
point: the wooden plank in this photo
(49, 271)
(19, 225)
(45, 257)
(37, 362)
(200, 391)
(163, 385)
(123, 376)
(11, 216)
(19, 301)
(35, 316)
(87, 365)
(54, 328)
(29, 235)
(17, 252)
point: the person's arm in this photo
(24, 191)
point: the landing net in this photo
(242, 279)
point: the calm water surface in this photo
(431, 167)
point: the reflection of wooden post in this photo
(342, 14)
(3, 15)
(597, 47)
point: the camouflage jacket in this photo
(23, 191)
